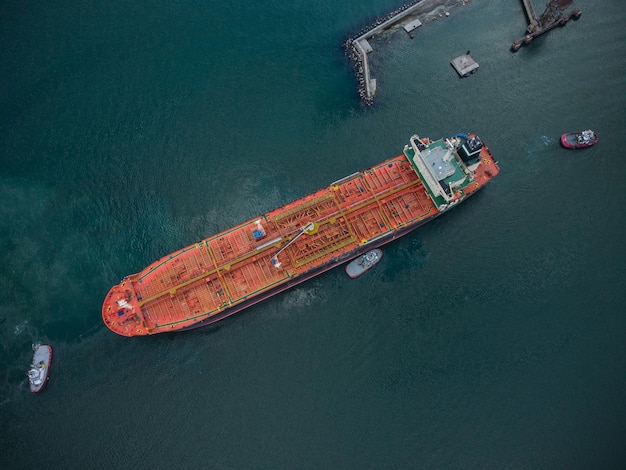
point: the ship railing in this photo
(345, 178)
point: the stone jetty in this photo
(410, 16)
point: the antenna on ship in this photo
(309, 229)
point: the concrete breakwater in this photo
(410, 16)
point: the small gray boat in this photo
(360, 265)
(40, 367)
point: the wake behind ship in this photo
(227, 272)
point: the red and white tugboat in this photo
(40, 367)
(579, 140)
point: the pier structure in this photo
(553, 16)
(359, 47)
(529, 9)
(410, 16)
(465, 65)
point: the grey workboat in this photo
(40, 367)
(360, 265)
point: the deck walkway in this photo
(529, 9)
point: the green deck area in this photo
(443, 165)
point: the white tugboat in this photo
(363, 263)
(40, 367)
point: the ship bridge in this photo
(439, 167)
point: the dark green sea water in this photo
(493, 337)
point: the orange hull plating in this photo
(231, 270)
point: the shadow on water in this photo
(403, 256)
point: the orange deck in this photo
(234, 267)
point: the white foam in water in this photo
(302, 297)
(537, 145)
(19, 329)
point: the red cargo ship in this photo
(227, 272)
